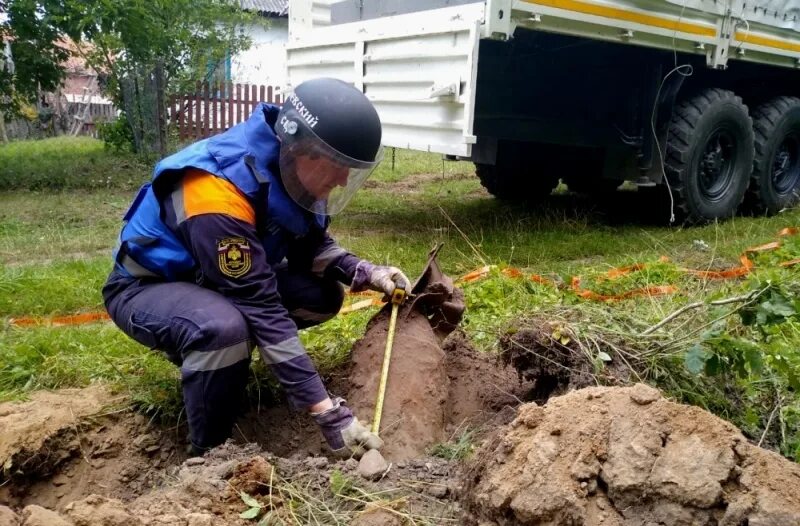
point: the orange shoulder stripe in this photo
(204, 193)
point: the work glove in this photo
(345, 435)
(386, 279)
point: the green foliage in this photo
(459, 449)
(496, 300)
(37, 58)
(254, 509)
(172, 42)
(55, 357)
(766, 325)
(128, 40)
(116, 134)
(341, 484)
(66, 287)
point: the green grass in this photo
(49, 358)
(55, 247)
(67, 162)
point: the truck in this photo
(698, 98)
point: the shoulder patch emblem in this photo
(233, 254)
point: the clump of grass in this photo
(308, 499)
(460, 447)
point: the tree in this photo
(129, 43)
(32, 40)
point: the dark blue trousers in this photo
(203, 333)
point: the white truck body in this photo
(420, 68)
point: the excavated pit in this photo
(74, 456)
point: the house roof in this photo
(267, 7)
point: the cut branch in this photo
(697, 304)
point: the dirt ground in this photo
(65, 451)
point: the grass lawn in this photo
(59, 222)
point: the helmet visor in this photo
(318, 177)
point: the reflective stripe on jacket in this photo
(247, 156)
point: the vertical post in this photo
(223, 103)
(206, 107)
(253, 97)
(231, 120)
(182, 104)
(261, 98)
(269, 94)
(3, 134)
(214, 108)
(238, 103)
(197, 109)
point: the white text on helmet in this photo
(309, 117)
(289, 126)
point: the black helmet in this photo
(330, 142)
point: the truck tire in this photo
(775, 183)
(709, 155)
(521, 172)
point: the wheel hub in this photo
(717, 165)
(786, 165)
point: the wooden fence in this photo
(213, 108)
(87, 116)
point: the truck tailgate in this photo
(418, 69)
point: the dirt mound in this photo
(34, 430)
(626, 456)
(207, 491)
(60, 447)
(429, 391)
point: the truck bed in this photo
(420, 68)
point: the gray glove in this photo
(345, 435)
(386, 279)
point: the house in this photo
(265, 61)
(81, 82)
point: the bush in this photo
(116, 135)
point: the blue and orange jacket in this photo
(216, 214)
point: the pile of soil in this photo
(60, 446)
(626, 456)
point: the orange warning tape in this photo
(363, 304)
(58, 321)
(746, 266)
(476, 275)
(89, 317)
